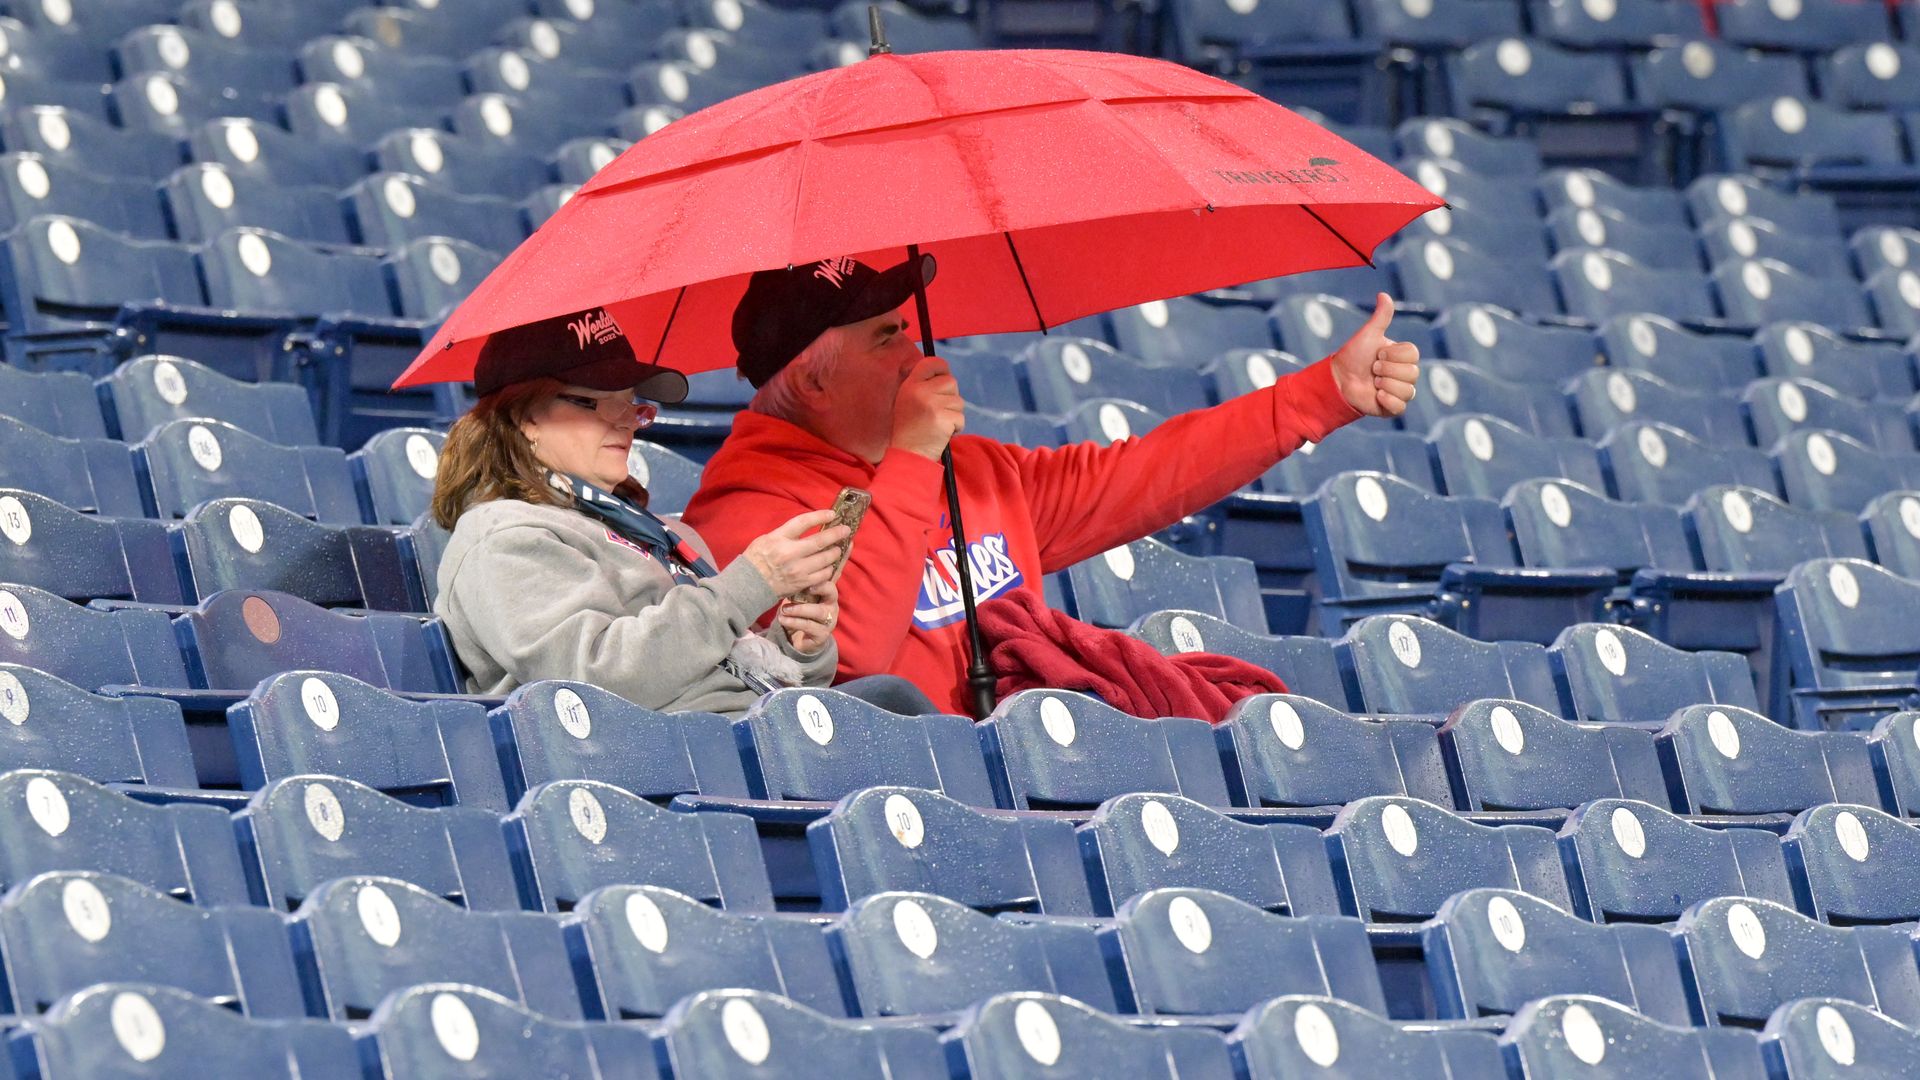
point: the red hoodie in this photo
(1028, 512)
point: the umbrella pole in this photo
(980, 677)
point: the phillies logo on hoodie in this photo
(994, 572)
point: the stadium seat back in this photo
(822, 745)
(1062, 750)
(1510, 755)
(1639, 863)
(1402, 858)
(1292, 751)
(1615, 674)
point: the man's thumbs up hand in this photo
(1375, 373)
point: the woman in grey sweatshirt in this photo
(556, 571)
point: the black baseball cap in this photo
(586, 348)
(784, 310)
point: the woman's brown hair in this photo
(486, 457)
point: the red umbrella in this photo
(1049, 184)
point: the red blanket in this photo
(1031, 645)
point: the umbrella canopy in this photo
(1049, 184)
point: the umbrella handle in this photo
(981, 679)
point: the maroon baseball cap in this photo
(586, 348)
(785, 310)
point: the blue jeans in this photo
(890, 692)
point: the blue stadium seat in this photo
(1451, 24)
(57, 402)
(1399, 664)
(63, 275)
(885, 839)
(82, 139)
(1194, 952)
(821, 745)
(1354, 284)
(1723, 760)
(1571, 1034)
(1127, 583)
(87, 99)
(1063, 751)
(1501, 344)
(235, 638)
(1455, 389)
(670, 479)
(333, 111)
(1448, 139)
(32, 185)
(451, 1031)
(1896, 759)
(91, 475)
(905, 954)
(553, 730)
(87, 647)
(1441, 273)
(1616, 674)
(1741, 530)
(751, 1033)
(1304, 662)
(235, 543)
(175, 103)
(187, 462)
(1382, 545)
(1654, 462)
(1598, 284)
(148, 391)
(508, 71)
(111, 1029)
(109, 740)
(1811, 140)
(430, 276)
(1879, 247)
(421, 31)
(462, 163)
(1292, 751)
(1758, 291)
(1853, 864)
(1464, 222)
(390, 209)
(1490, 951)
(66, 930)
(1509, 755)
(81, 557)
(206, 199)
(1080, 1042)
(1825, 1038)
(1817, 28)
(1138, 842)
(680, 85)
(1187, 331)
(1583, 189)
(580, 160)
(1584, 26)
(1218, 37)
(1563, 526)
(1825, 470)
(1515, 79)
(1604, 400)
(268, 152)
(570, 837)
(1857, 369)
(640, 948)
(300, 832)
(45, 50)
(208, 59)
(1743, 195)
(1294, 1035)
(532, 123)
(1731, 239)
(1895, 295)
(1776, 407)
(1646, 245)
(70, 823)
(363, 937)
(1892, 524)
(1484, 456)
(1846, 648)
(1749, 957)
(394, 472)
(1064, 375)
(1398, 860)
(1659, 347)
(433, 753)
(1637, 862)
(260, 25)
(1105, 421)
(379, 72)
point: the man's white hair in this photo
(819, 362)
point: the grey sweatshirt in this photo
(532, 592)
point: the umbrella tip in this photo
(878, 30)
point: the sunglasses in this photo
(615, 410)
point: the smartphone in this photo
(849, 508)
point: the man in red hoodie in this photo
(845, 398)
